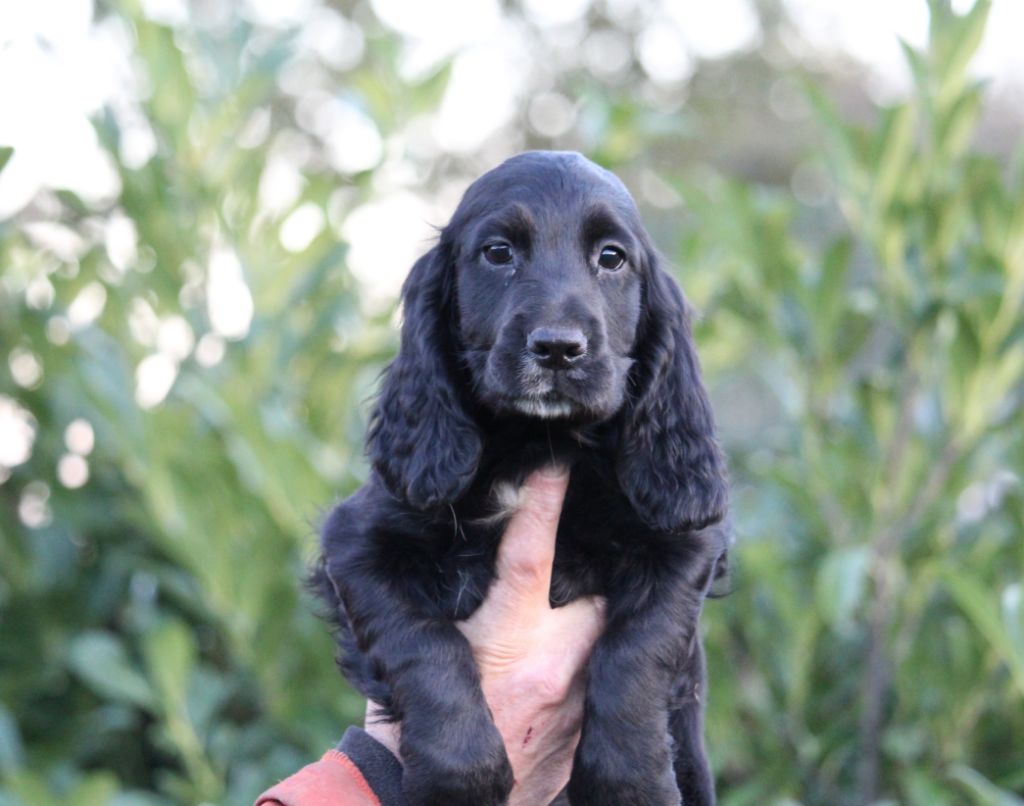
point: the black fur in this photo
(464, 406)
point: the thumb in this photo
(527, 549)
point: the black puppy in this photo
(539, 328)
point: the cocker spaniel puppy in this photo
(540, 327)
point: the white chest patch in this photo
(504, 502)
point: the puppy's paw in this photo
(586, 789)
(476, 773)
(606, 774)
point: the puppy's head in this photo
(548, 252)
(544, 299)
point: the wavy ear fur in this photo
(669, 463)
(421, 440)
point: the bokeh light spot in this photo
(79, 437)
(72, 471)
(17, 433)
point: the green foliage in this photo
(867, 362)
(885, 653)
(153, 622)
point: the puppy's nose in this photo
(556, 347)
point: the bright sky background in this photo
(57, 68)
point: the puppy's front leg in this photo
(625, 753)
(451, 751)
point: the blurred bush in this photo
(186, 374)
(873, 646)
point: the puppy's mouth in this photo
(548, 406)
(550, 394)
(548, 401)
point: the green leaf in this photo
(1014, 247)
(12, 754)
(96, 790)
(832, 285)
(99, 659)
(170, 656)
(965, 351)
(171, 659)
(5, 155)
(955, 127)
(925, 790)
(138, 798)
(980, 607)
(844, 154)
(1012, 607)
(965, 38)
(918, 68)
(840, 585)
(30, 789)
(984, 791)
(892, 153)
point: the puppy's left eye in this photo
(611, 258)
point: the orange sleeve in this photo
(332, 781)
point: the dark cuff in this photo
(379, 767)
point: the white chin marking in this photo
(544, 409)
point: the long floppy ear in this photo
(669, 462)
(421, 440)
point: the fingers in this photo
(581, 624)
(527, 549)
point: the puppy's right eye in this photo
(498, 253)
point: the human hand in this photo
(531, 657)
